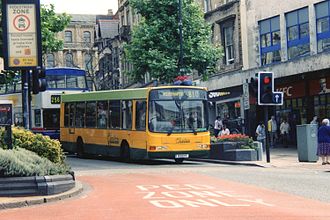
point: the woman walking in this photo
(323, 148)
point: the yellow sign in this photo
(22, 35)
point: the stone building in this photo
(291, 40)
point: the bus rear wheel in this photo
(178, 160)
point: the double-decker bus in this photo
(45, 106)
(145, 123)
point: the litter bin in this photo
(307, 142)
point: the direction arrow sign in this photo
(277, 98)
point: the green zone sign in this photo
(22, 34)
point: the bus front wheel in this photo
(80, 148)
(125, 152)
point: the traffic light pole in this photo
(25, 98)
(266, 132)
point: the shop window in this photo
(270, 40)
(322, 12)
(91, 114)
(297, 33)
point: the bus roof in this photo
(136, 93)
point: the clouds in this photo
(83, 6)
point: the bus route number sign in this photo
(55, 99)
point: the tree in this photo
(155, 44)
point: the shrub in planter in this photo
(41, 145)
(245, 142)
(21, 162)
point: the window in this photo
(80, 115)
(50, 60)
(126, 109)
(140, 117)
(51, 118)
(68, 36)
(298, 33)
(68, 60)
(71, 116)
(322, 11)
(229, 53)
(102, 114)
(87, 36)
(114, 114)
(37, 117)
(88, 62)
(206, 6)
(270, 40)
(228, 41)
(91, 114)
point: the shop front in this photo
(227, 103)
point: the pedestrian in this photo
(272, 130)
(284, 129)
(224, 130)
(261, 134)
(217, 126)
(323, 148)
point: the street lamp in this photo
(181, 40)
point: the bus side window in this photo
(91, 114)
(102, 109)
(66, 114)
(114, 114)
(140, 119)
(80, 114)
(126, 108)
(71, 117)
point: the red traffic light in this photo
(267, 80)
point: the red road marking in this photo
(172, 196)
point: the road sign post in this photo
(22, 43)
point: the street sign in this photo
(278, 98)
(22, 34)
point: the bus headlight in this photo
(203, 146)
(158, 148)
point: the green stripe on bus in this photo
(140, 93)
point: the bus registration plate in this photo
(182, 156)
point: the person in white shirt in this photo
(224, 130)
(284, 129)
(217, 126)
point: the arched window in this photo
(68, 36)
(88, 62)
(69, 60)
(50, 60)
(87, 36)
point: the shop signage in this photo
(223, 94)
(22, 34)
(5, 114)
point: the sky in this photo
(83, 6)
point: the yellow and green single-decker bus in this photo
(146, 123)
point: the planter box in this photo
(231, 151)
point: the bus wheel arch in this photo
(80, 147)
(125, 151)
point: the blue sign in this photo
(277, 98)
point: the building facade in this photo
(291, 40)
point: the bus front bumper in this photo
(179, 154)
